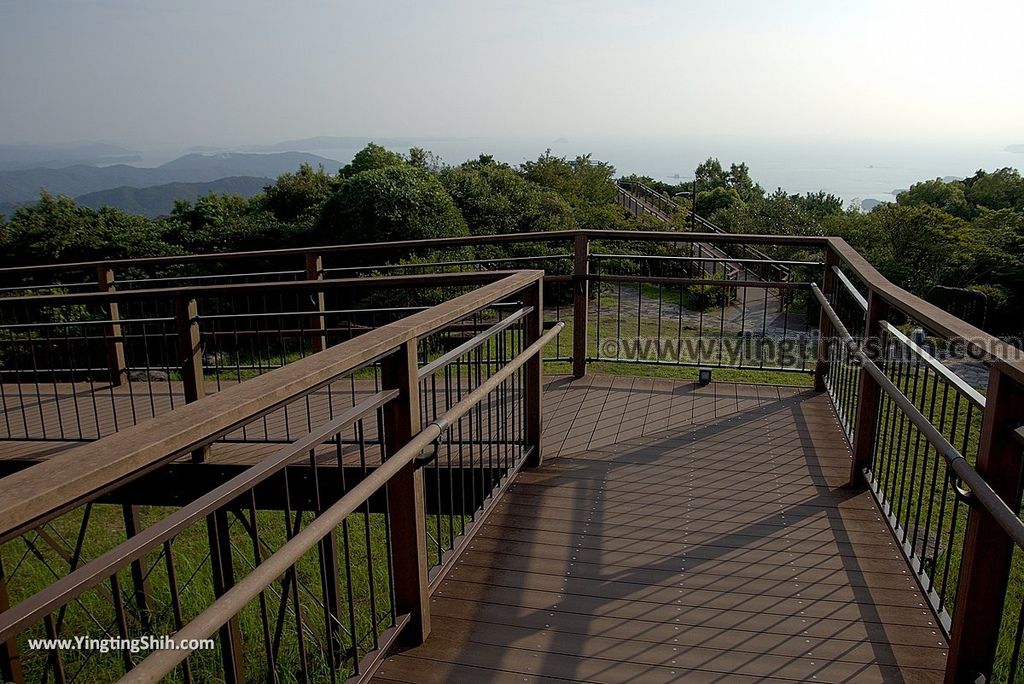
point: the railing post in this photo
(406, 507)
(870, 393)
(693, 207)
(223, 576)
(112, 333)
(534, 385)
(825, 332)
(317, 323)
(581, 305)
(10, 662)
(190, 356)
(987, 550)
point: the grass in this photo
(31, 565)
(909, 474)
(912, 478)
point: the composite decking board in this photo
(710, 520)
(714, 632)
(735, 551)
(693, 574)
(666, 649)
(576, 660)
(866, 531)
(731, 594)
(630, 608)
(734, 510)
(827, 570)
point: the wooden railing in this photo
(38, 336)
(942, 458)
(364, 539)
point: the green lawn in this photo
(31, 565)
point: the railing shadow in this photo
(592, 589)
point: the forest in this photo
(964, 234)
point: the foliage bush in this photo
(391, 203)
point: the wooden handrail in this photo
(46, 489)
(991, 348)
(547, 236)
(161, 662)
(118, 296)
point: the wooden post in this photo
(317, 323)
(112, 332)
(581, 305)
(406, 508)
(10, 662)
(987, 551)
(534, 385)
(190, 356)
(866, 420)
(825, 332)
(223, 576)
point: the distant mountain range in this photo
(1015, 148)
(32, 156)
(24, 185)
(158, 200)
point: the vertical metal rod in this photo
(223, 578)
(825, 332)
(581, 303)
(10, 662)
(140, 585)
(987, 550)
(534, 385)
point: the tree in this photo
(391, 203)
(303, 193)
(1002, 189)
(581, 182)
(225, 223)
(425, 159)
(739, 180)
(912, 245)
(373, 156)
(819, 204)
(716, 199)
(709, 175)
(493, 198)
(58, 229)
(949, 197)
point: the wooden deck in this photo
(680, 533)
(675, 532)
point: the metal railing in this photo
(942, 458)
(936, 453)
(640, 199)
(319, 554)
(78, 366)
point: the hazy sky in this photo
(230, 72)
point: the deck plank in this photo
(681, 532)
(674, 532)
